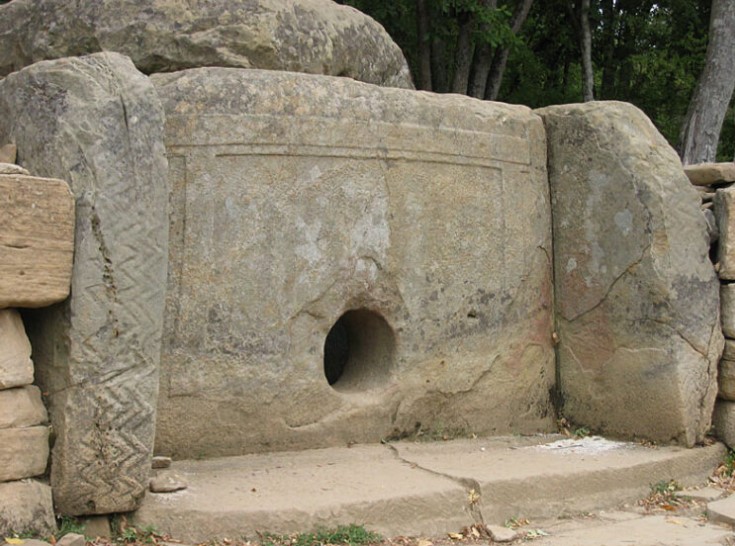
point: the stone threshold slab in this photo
(414, 488)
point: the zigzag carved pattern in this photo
(112, 453)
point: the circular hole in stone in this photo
(358, 351)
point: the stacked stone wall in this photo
(36, 241)
(715, 182)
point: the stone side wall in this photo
(97, 123)
(715, 184)
(36, 242)
(637, 299)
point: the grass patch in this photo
(729, 463)
(350, 535)
(662, 496)
(68, 524)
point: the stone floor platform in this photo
(408, 488)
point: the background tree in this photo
(646, 52)
(701, 131)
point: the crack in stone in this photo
(602, 300)
(474, 491)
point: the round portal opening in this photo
(358, 351)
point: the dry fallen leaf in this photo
(473, 496)
(456, 536)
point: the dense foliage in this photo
(646, 52)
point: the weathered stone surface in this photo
(723, 420)
(96, 527)
(16, 366)
(23, 452)
(72, 539)
(36, 241)
(12, 168)
(167, 482)
(161, 462)
(702, 494)
(725, 214)
(713, 232)
(722, 510)
(97, 122)
(26, 506)
(22, 407)
(425, 216)
(726, 375)
(8, 153)
(727, 309)
(637, 297)
(313, 36)
(498, 533)
(705, 174)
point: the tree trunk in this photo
(700, 132)
(463, 54)
(423, 35)
(500, 59)
(439, 77)
(480, 70)
(609, 67)
(482, 60)
(588, 76)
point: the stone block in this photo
(724, 203)
(637, 299)
(23, 452)
(726, 372)
(36, 241)
(12, 168)
(96, 527)
(97, 123)
(22, 407)
(350, 263)
(8, 153)
(727, 309)
(72, 539)
(723, 420)
(26, 506)
(704, 174)
(16, 366)
(313, 36)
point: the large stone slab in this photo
(296, 200)
(637, 298)
(97, 122)
(22, 407)
(36, 241)
(313, 36)
(26, 506)
(16, 366)
(23, 452)
(419, 488)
